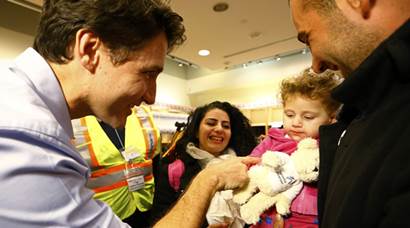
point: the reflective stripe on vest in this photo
(83, 143)
(109, 178)
(149, 131)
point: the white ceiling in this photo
(249, 30)
(232, 36)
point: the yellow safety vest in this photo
(107, 164)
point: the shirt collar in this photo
(48, 87)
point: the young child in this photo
(307, 105)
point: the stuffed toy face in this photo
(306, 160)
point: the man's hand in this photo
(231, 173)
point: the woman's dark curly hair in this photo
(242, 138)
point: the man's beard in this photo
(352, 43)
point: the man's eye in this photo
(151, 74)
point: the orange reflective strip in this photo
(149, 177)
(118, 185)
(105, 171)
(94, 161)
(111, 187)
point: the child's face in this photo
(303, 116)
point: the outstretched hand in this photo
(231, 173)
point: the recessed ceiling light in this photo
(204, 52)
(220, 7)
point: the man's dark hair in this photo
(242, 138)
(123, 26)
(322, 6)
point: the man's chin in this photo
(117, 122)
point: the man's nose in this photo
(319, 66)
(149, 96)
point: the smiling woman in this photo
(214, 131)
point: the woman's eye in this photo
(226, 126)
(211, 123)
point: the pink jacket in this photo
(275, 141)
(304, 206)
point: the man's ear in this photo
(87, 46)
(364, 7)
(333, 118)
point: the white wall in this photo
(12, 43)
(258, 83)
(172, 90)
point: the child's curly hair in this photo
(313, 86)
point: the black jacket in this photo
(165, 196)
(365, 180)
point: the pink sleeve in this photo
(175, 171)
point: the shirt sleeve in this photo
(43, 185)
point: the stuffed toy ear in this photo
(306, 160)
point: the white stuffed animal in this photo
(278, 180)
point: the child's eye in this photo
(309, 117)
(289, 115)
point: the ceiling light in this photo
(180, 64)
(277, 58)
(203, 52)
(304, 51)
(220, 7)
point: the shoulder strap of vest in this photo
(175, 171)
